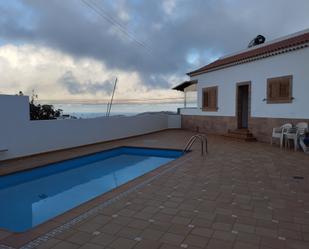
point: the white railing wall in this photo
(21, 137)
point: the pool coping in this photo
(108, 143)
(86, 155)
(62, 222)
(39, 165)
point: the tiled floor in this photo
(240, 196)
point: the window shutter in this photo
(269, 90)
(284, 88)
(205, 99)
(279, 90)
(273, 89)
(210, 98)
(213, 98)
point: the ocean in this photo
(130, 109)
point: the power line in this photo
(122, 28)
(103, 13)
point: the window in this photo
(279, 90)
(210, 98)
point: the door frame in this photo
(237, 110)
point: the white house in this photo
(257, 89)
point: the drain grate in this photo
(298, 177)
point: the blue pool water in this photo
(32, 197)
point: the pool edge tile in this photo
(49, 229)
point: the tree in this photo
(44, 112)
(41, 112)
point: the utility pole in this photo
(109, 105)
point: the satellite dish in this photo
(257, 41)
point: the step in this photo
(239, 131)
(240, 138)
(241, 134)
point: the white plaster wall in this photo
(293, 63)
(22, 137)
(14, 112)
(174, 121)
(14, 108)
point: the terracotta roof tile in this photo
(258, 51)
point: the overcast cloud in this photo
(75, 87)
(159, 40)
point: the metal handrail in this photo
(188, 144)
(192, 140)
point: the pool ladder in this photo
(202, 138)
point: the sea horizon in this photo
(85, 108)
(93, 110)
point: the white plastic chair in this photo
(294, 134)
(278, 133)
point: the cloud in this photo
(167, 31)
(169, 6)
(57, 75)
(74, 86)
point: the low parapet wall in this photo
(21, 137)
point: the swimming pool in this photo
(32, 197)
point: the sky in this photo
(74, 49)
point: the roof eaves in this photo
(184, 84)
(283, 49)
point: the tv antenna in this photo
(109, 104)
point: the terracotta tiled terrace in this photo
(240, 195)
